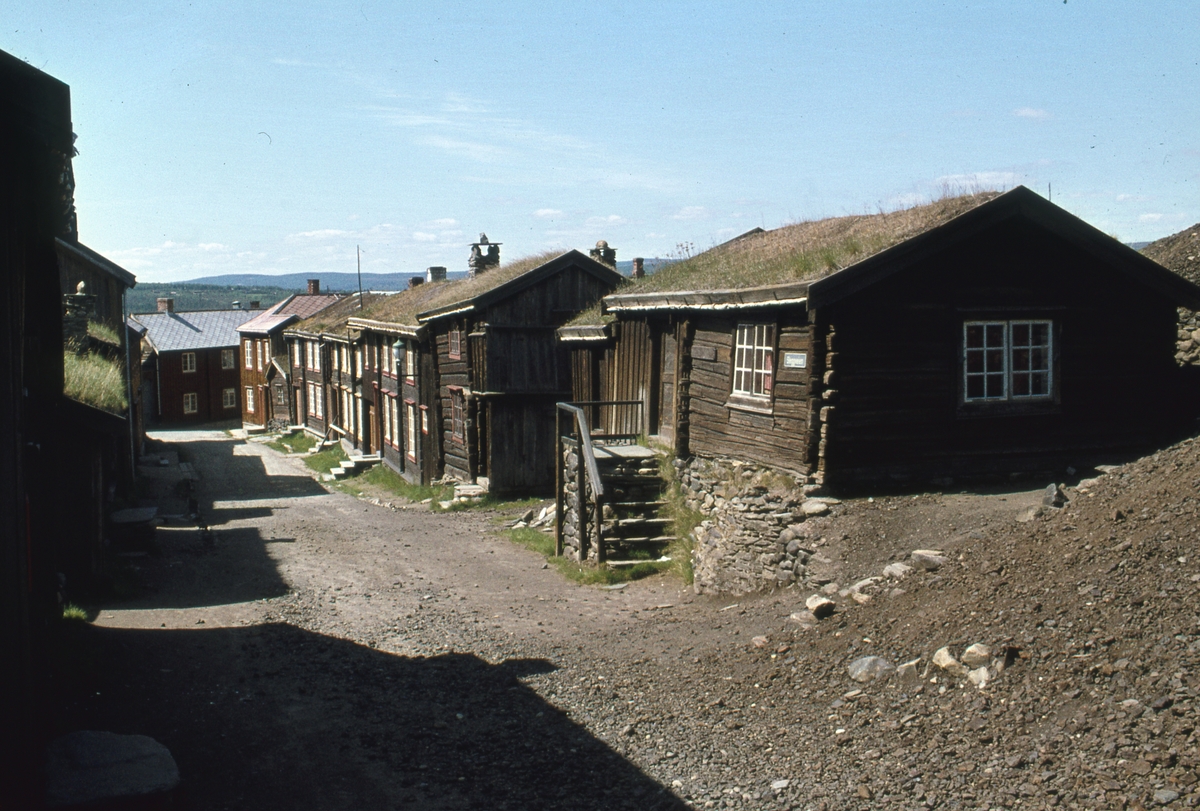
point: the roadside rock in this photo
(928, 559)
(977, 655)
(870, 668)
(820, 606)
(946, 661)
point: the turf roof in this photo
(802, 252)
(403, 307)
(333, 318)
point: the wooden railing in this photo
(573, 429)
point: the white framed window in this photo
(259, 345)
(458, 419)
(229, 398)
(424, 420)
(455, 348)
(387, 420)
(411, 413)
(410, 364)
(228, 359)
(191, 403)
(189, 361)
(754, 360)
(319, 401)
(1007, 361)
(250, 399)
(296, 353)
(249, 352)
(358, 361)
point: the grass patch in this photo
(95, 380)
(387, 479)
(103, 332)
(75, 613)
(684, 520)
(543, 544)
(301, 442)
(326, 460)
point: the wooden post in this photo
(558, 482)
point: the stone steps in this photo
(355, 464)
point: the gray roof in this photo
(202, 329)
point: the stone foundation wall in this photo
(1188, 345)
(762, 524)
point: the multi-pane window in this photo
(280, 396)
(387, 421)
(259, 345)
(314, 356)
(189, 361)
(458, 423)
(227, 359)
(228, 398)
(191, 403)
(296, 353)
(455, 344)
(410, 364)
(754, 360)
(249, 351)
(1007, 360)
(250, 399)
(411, 412)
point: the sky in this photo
(277, 137)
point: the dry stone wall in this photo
(761, 526)
(1188, 344)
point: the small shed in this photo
(975, 335)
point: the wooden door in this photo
(667, 364)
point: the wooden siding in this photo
(779, 437)
(207, 382)
(459, 458)
(896, 363)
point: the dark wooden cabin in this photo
(36, 207)
(501, 369)
(400, 374)
(979, 335)
(262, 358)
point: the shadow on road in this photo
(277, 717)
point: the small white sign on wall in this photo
(795, 360)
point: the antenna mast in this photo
(358, 250)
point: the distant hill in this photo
(188, 296)
(331, 282)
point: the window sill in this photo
(754, 405)
(1008, 408)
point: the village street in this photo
(315, 650)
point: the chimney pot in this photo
(639, 269)
(413, 281)
(603, 253)
(314, 287)
(435, 274)
(166, 305)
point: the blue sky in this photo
(274, 137)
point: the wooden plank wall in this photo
(458, 457)
(779, 438)
(897, 363)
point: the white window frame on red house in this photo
(228, 359)
(250, 399)
(249, 352)
(191, 403)
(410, 410)
(189, 362)
(410, 363)
(1008, 361)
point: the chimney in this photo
(435, 274)
(639, 271)
(413, 281)
(605, 254)
(254, 305)
(76, 311)
(314, 287)
(166, 305)
(480, 261)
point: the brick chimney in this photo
(639, 269)
(166, 305)
(435, 274)
(77, 309)
(413, 281)
(605, 254)
(481, 261)
(314, 287)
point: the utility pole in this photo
(358, 249)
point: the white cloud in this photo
(212, 246)
(421, 236)
(483, 153)
(690, 213)
(1132, 198)
(1151, 217)
(321, 233)
(1030, 112)
(445, 222)
(547, 213)
(611, 219)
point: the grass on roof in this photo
(802, 252)
(403, 307)
(95, 380)
(103, 332)
(334, 317)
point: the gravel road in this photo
(313, 650)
